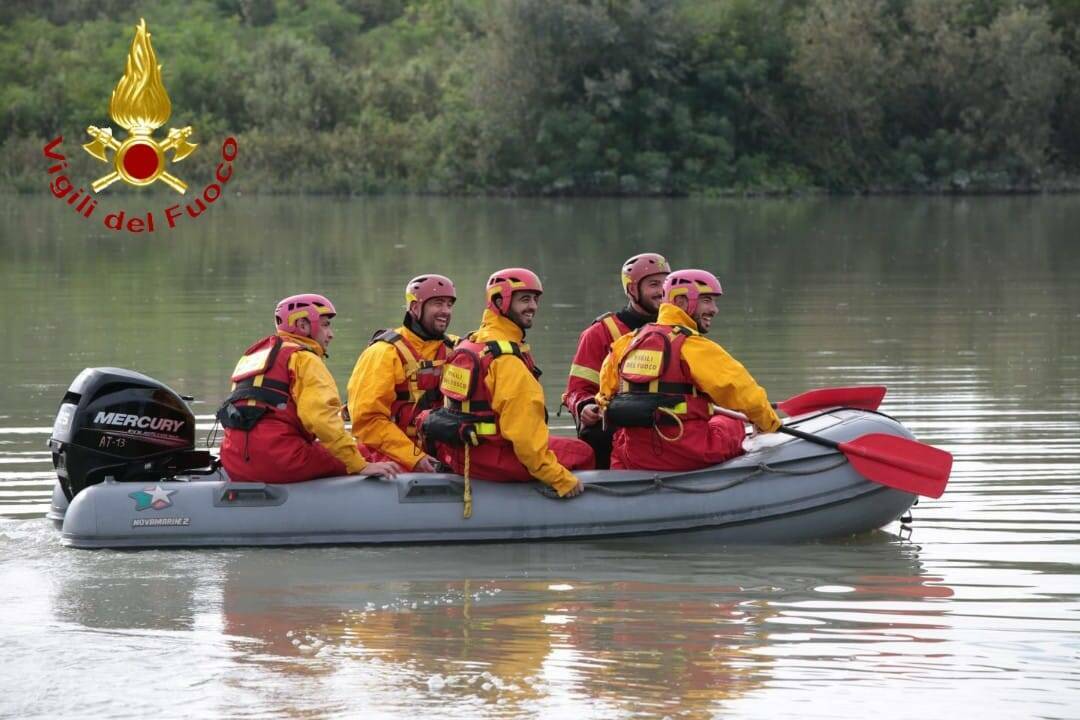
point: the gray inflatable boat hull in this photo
(782, 490)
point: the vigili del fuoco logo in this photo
(140, 105)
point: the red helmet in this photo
(425, 287)
(640, 267)
(691, 283)
(506, 282)
(295, 307)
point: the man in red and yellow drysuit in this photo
(643, 282)
(494, 404)
(283, 418)
(659, 384)
(397, 377)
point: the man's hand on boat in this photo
(388, 469)
(576, 490)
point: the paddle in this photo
(864, 397)
(897, 462)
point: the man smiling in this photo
(494, 402)
(397, 377)
(643, 283)
(658, 386)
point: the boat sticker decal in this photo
(155, 498)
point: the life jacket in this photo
(420, 390)
(653, 376)
(467, 415)
(260, 385)
(615, 327)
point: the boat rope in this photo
(467, 495)
(657, 483)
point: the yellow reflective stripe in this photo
(506, 346)
(486, 429)
(612, 328)
(257, 382)
(680, 409)
(585, 373)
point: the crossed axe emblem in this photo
(140, 159)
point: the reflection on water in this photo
(494, 630)
(966, 309)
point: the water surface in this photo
(967, 309)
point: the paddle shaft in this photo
(817, 439)
(825, 442)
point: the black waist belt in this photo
(475, 406)
(267, 393)
(666, 388)
(282, 387)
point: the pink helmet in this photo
(425, 287)
(295, 307)
(506, 282)
(691, 283)
(640, 267)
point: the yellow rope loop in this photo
(468, 487)
(678, 420)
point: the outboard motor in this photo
(124, 425)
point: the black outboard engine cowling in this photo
(124, 425)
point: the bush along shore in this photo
(569, 97)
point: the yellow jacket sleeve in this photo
(727, 383)
(371, 393)
(609, 371)
(319, 408)
(518, 400)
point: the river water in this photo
(967, 309)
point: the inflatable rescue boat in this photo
(129, 476)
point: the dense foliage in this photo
(572, 96)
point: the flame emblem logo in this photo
(140, 105)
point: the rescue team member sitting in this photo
(398, 375)
(643, 282)
(657, 386)
(494, 423)
(283, 419)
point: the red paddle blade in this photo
(900, 463)
(863, 397)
